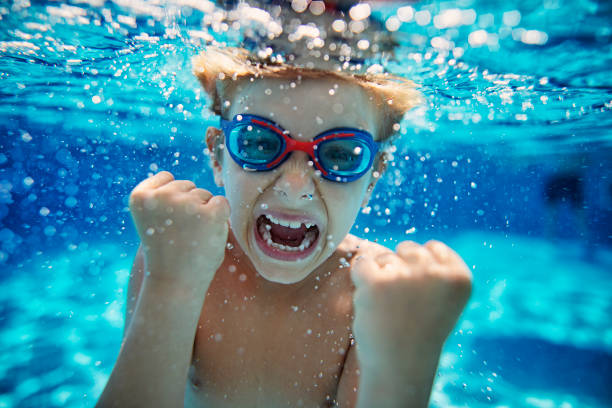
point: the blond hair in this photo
(216, 67)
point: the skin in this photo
(216, 325)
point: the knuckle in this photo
(164, 174)
(410, 248)
(406, 245)
(137, 197)
(385, 258)
(418, 255)
(437, 247)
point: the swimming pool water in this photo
(97, 94)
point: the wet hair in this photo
(219, 69)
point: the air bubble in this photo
(50, 230)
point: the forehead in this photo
(306, 107)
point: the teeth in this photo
(264, 230)
(289, 224)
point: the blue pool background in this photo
(89, 109)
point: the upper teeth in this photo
(285, 223)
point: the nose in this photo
(296, 180)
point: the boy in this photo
(261, 298)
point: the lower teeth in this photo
(265, 233)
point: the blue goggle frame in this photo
(362, 140)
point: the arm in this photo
(405, 305)
(183, 232)
(134, 285)
(151, 369)
(407, 384)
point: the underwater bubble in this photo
(422, 17)
(357, 26)
(534, 37)
(317, 7)
(392, 24)
(511, 18)
(70, 201)
(363, 44)
(339, 26)
(360, 11)
(299, 6)
(405, 14)
(28, 181)
(44, 211)
(150, 231)
(242, 277)
(477, 38)
(50, 230)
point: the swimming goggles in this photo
(258, 144)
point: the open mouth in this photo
(284, 239)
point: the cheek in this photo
(346, 200)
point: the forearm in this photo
(405, 382)
(153, 362)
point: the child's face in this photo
(293, 192)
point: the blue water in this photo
(97, 95)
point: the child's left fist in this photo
(406, 301)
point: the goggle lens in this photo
(344, 157)
(255, 145)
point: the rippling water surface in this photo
(97, 94)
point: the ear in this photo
(214, 142)
(378, 169)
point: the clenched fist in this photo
(406, 301)
(183, 229)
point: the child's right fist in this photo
(183, 229)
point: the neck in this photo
(258, 286)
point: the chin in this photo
(282, 277)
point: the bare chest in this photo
(252, 352)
